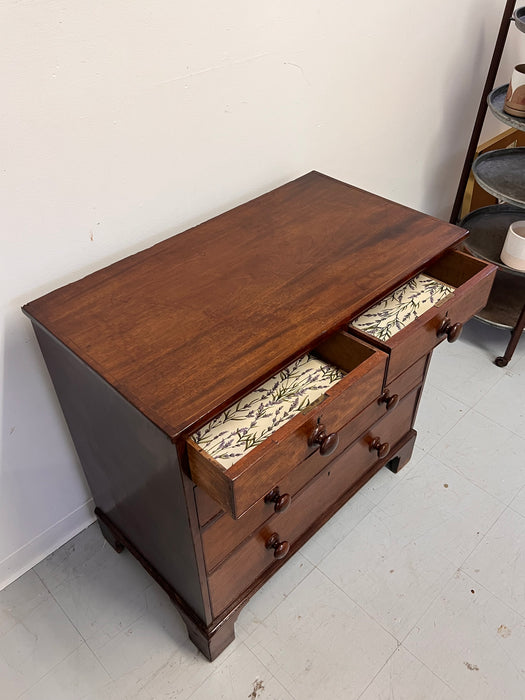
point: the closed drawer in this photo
(433, 306)
(252, 557)
(238, 486)
(222, 536)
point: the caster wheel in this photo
(501, 362)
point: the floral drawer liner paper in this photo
(240, 428)
(400, 308)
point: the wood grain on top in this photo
(185, 327)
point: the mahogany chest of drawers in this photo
(312, 287)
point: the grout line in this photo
(491, 593)
(468, 478)
(63, 611)
(478, 544)
(439, 593)
(288, 594)
(50, 670)
(355, 602)
(396, 650)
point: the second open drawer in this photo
(430, 307)
(358, 371)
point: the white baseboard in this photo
(48, 541)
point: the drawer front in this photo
(238, 487)
(471, 279)
(225, 534)
(252, 557)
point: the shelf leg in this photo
(513, 342)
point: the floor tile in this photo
(337, 528)
(101, 592)
(504, 403)
(404, 677)
(40, 640)
(498, 563)
(456, 368)
(242, 675)
(518, 502)
(472, 641)
(492, 341)
(391, 575)
(154, 657)
(72, 559)
(320, 644)
(72, 679)
(272, 593)
(438, 507)
(488, 455)
(437, 414)
(19, 599)
(380, 484)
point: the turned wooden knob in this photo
(383, 448)
(282, 502)
(451, 330)
(328, 442)
(390, 401)
(281, 549)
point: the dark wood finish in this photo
(132, 470)
(390, 400)
(513, 342)
(251, 558)
(207, 507)
(110, 537)
(451, 330)
(169, 329)
(281, 501)
(146, 351)
(382, 448)
(249, 479)
(223, 534)
(210, 639)
(327, 442)
(280, 548)
(402, 454)
(472, 280)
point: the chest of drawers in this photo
(312, 309)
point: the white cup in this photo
(513, 253)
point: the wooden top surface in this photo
(186, 326)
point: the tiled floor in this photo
(415, 590)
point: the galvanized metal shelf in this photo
(502, 173)
(487, 231)
(496, 101)
(519, 18)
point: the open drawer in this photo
(432, 306)
(241, 454)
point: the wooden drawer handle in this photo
(390, 401)
(281, 549)
(282, 502)
(328, 442)
(383, 448)
(451, 330)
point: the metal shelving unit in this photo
(502, 174)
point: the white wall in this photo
(125, 121)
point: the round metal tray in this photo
(487, 229)
(519, 18)
(496, 101)
(502, 173)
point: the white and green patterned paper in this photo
(240, 428)
(397, 310)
